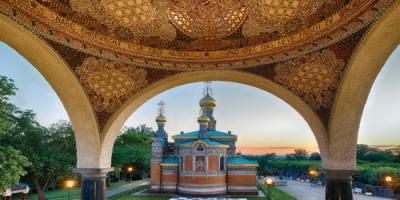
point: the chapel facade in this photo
(201, 163)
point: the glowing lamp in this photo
(130, 169)
(388, 179)
(69, 183)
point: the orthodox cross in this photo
(161, 110)
(207, 88)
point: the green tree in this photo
(133, 148)
(298, 154)
(7, 89)
(11, 167)
(51, 151)
(12, 163)
(315, 156)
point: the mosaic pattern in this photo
(313, 77)
(138, 17)
(109, 83)
(208, 18)
(147, 47)
(278, 15)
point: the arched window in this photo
(222, 163)
(182, 164)
(200, 148)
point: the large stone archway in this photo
(118, 119)
(362, 70)
(323, 65)
(65, 84)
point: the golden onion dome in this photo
(203, 119)
(161, 118)
(208, 101)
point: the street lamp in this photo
(314, 174)
(388, 179)
(269, 183)
(70, 184)
(130, 170)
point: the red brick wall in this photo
(202, 179)
(188, 163)
(169, 178)
(155, 173)
(242, 179)
(213, 163)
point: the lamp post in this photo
(314, 174)
(70, 185)
(389, 182)
(130, 170)
(269, 183)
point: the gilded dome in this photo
(208, 101)
(203, 119)
(161, 118)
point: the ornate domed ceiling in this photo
(195, 34)
(117, 48)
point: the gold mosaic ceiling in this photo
(195, 34)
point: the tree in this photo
(315, 156)
(51, 151)
(7, 89)
(11, 167)
(133, 147)
(362, 149)
(299, 154)
(12, 162)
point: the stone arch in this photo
(118, 119)
(362, 70)
(64, 83)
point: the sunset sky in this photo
(263, 122)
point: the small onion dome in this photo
(203, 119)
(161, 118)
(208, 101)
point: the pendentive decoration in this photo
(108, 83)
(138, 17)
(313, 77)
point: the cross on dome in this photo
(161, 109)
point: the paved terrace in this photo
(303, 191)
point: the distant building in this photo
(202, 162)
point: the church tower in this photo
(208, 104)
(158, 147)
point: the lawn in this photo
(62, 194)
(276, 195)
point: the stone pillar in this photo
(338, 184)
(93, 184)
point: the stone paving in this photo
(127, 187)
(303, 191)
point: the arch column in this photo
(363, 68)
(73, 97)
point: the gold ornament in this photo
(313, 77)
(109, 83)
(208, 19)
(278, 15)
(140, 17)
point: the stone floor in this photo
(127, 187)
(303, 191)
